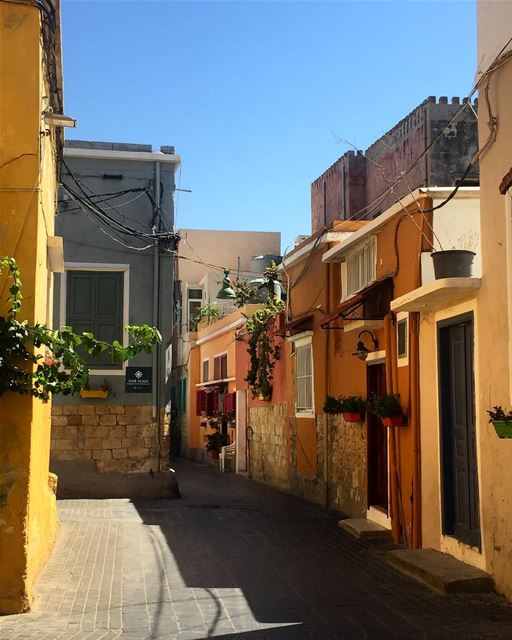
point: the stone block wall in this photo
(273, 458)
(346, 470)
(360, 180)
(117, 438)
(268, 445)
(308, 486)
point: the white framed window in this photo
(359, 268)
(402, 339)
(95, 297)
(302, 349)
(194, 303)
(220, 366)
(206, 370)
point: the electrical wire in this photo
(117, 240)
(108, 220)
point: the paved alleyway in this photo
(232, 559)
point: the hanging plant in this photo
(263, 352)
(25, 369)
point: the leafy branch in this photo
(60, 369)
(263, 352)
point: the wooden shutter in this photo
(223, 367)
(230, 403)
(215, 395)
(209, 403)
(200, 402)
(184, 395)
(95, 304)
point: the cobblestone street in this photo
(232, 559)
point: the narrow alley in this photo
(232, 559)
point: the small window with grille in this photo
(402, 339)
(195, 301)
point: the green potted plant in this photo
(353, 408)
(501, 421)
(214, 442)
(331, 405)
(388, 408)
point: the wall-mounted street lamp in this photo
(226, 291)
(362, 351)
(58, 119)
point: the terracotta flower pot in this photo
(393, 421)
(350, 416)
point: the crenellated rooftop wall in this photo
(356, 182)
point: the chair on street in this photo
(228, 451)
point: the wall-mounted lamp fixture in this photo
(361, 351)
(58, 120)
(226, 291)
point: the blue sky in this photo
(254, 94)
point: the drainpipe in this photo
(156, 314)
(391, 378)
(326, 421)
(415, 426)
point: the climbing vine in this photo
(40, 361)
(263, 352)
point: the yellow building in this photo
(30, 146)
(493, 333)
(465, 338)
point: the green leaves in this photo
(263, 352)
(61, 369)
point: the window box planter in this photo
(388, 408)
(501, 421)
(95, 393)
(503, 429)
(352, 416)
(353, 408)
(455, 263)
(392, 421)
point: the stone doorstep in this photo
(441, 571)
(363, 529)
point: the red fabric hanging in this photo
(200, 402)
(230, 403)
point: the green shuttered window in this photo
(95, 303)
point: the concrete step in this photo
(441, 571)
(363, 529)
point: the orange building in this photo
(341, 283)
(216, 384)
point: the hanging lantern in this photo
(226, 291)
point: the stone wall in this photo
(359, 180)
(346, 448)
(120, 438)
(268, 445)
(308, 486)
(273, 458)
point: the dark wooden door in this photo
(377, 443)
(458, 432)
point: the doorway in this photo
(377, 442)
(459, 480)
